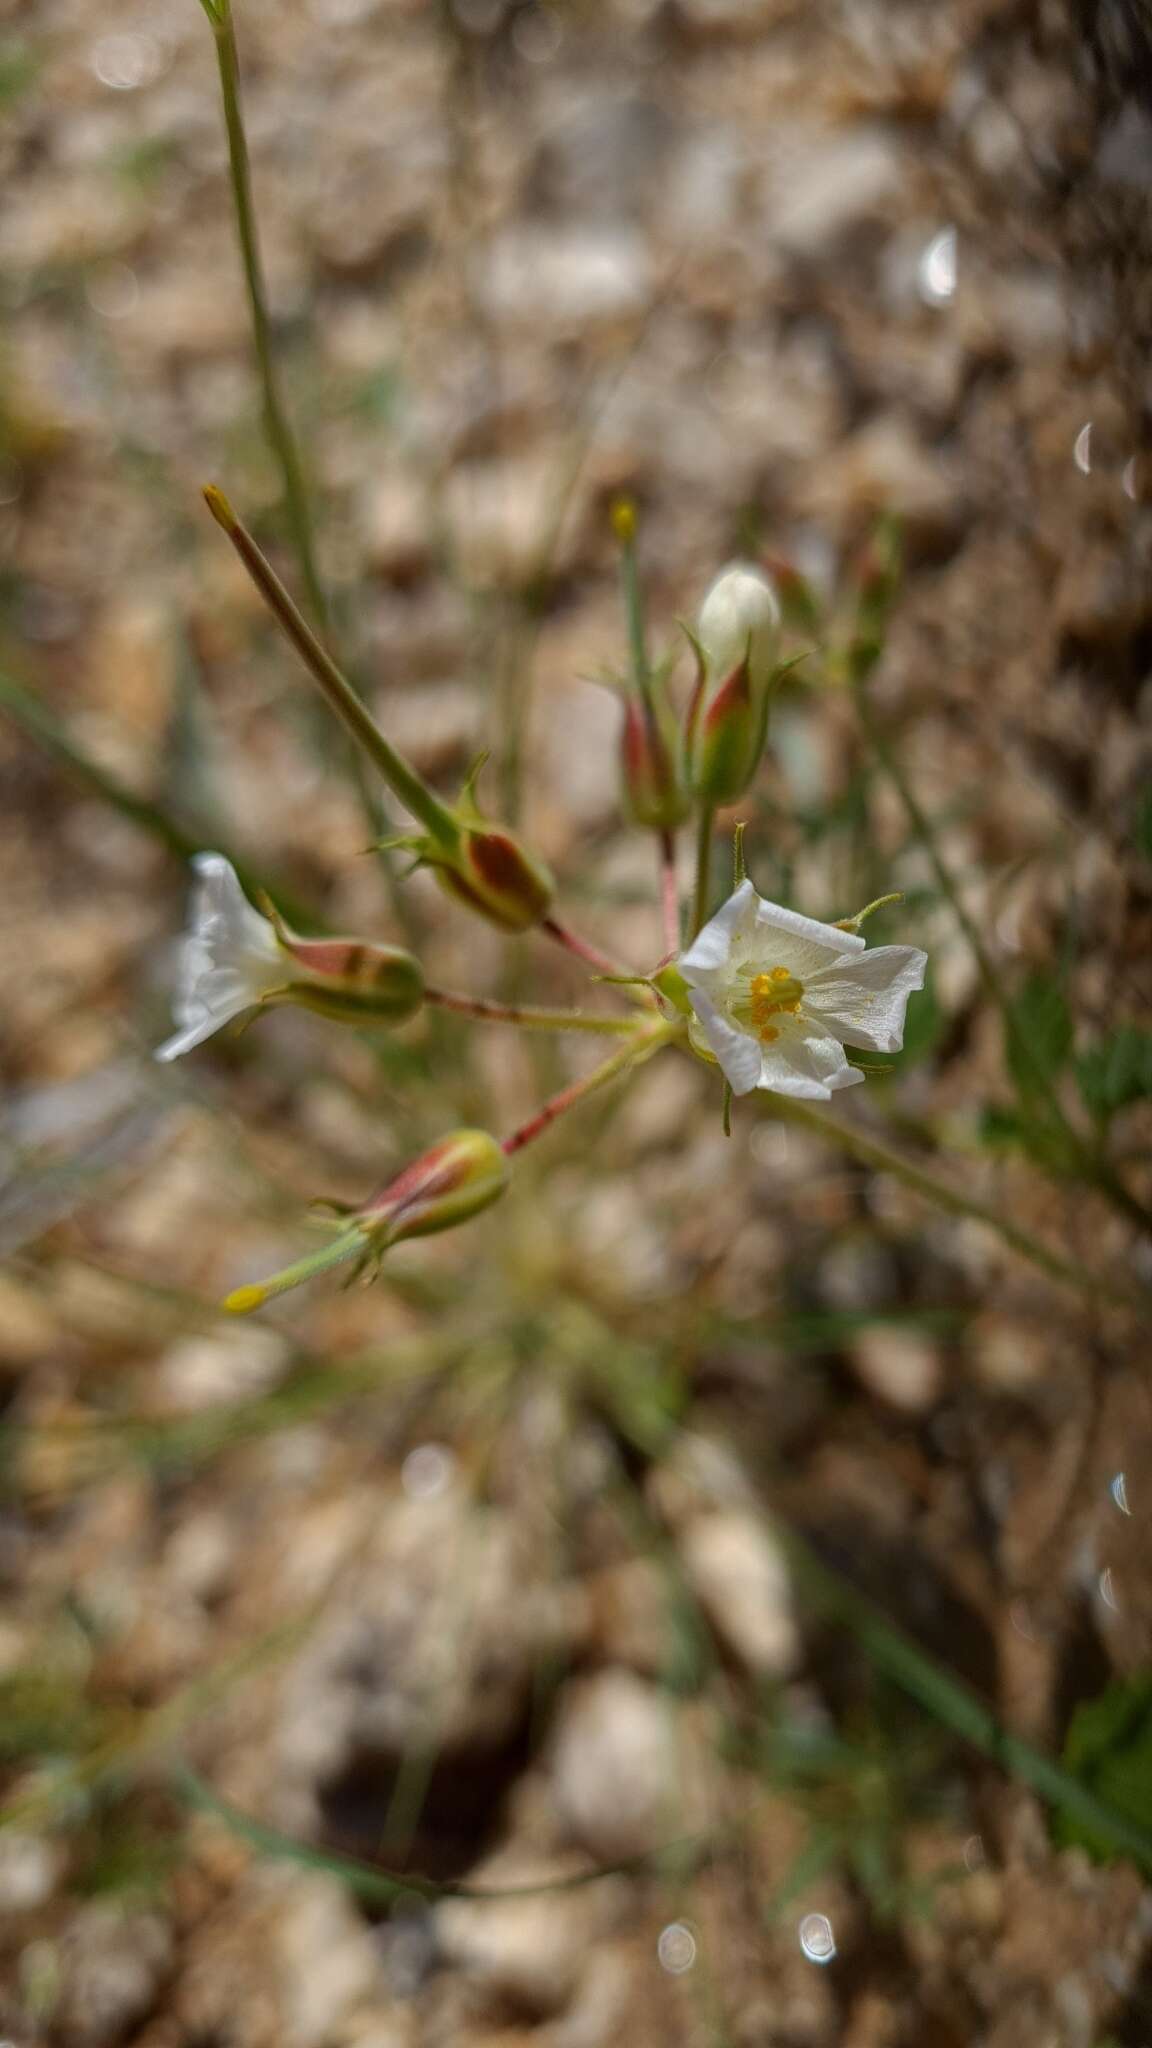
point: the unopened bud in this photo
(735, 643)
(452, 1181)
(351, 979)
(445, 1186)
(490, 871)
(739, 621)
(654, 793)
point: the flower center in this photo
(774, 994)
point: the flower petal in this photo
(806, 1065)
(802, 944)
(863, 999)
(740, 616)
(221, 913)
(737, 1052)
(195, 1031)
(229, 957)
(711, 948)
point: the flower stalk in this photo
(277, 424)
(527, 1016)
(644, 1043)
(349, 707)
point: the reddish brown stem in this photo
(573, 943)
(527, 1016)
(644, 1044)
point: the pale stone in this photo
(741, 1580)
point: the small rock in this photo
(523, 1953)
(899, 1367)
(500, 515)
(29, 1866)
(618, 1767)
(821, 191)
(327, 1961)
(885, 468)
(606, 158)
(198, 1372)
(568, 277)
(112, 1963)
(447, 1616)
(596, 2014)
(741, 1580)
(396, 522)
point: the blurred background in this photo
(511, 1569)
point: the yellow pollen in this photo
(774, 994)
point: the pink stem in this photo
(527, 1016)
(644, 1044)
(565, 936)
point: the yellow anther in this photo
(773, 994)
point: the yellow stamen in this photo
(776, 993)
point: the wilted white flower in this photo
(229, 957)
(778, 996)
(740, 617)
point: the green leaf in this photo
(1117, 1071)
(1039, 1034)
(1109, 1749)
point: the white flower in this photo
(778, 996)
(739, 616)
(229, 957)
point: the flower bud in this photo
(490, 871)
(445, 1186)
(735, 641)
(350, 979)
(654, 794)
(739, 621)
(452, 1181)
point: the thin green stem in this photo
(277, 424)
(643, 1044)
(624, 523)
(402, 779)
(528, 1017)
(705, 829)
(881, 1158)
